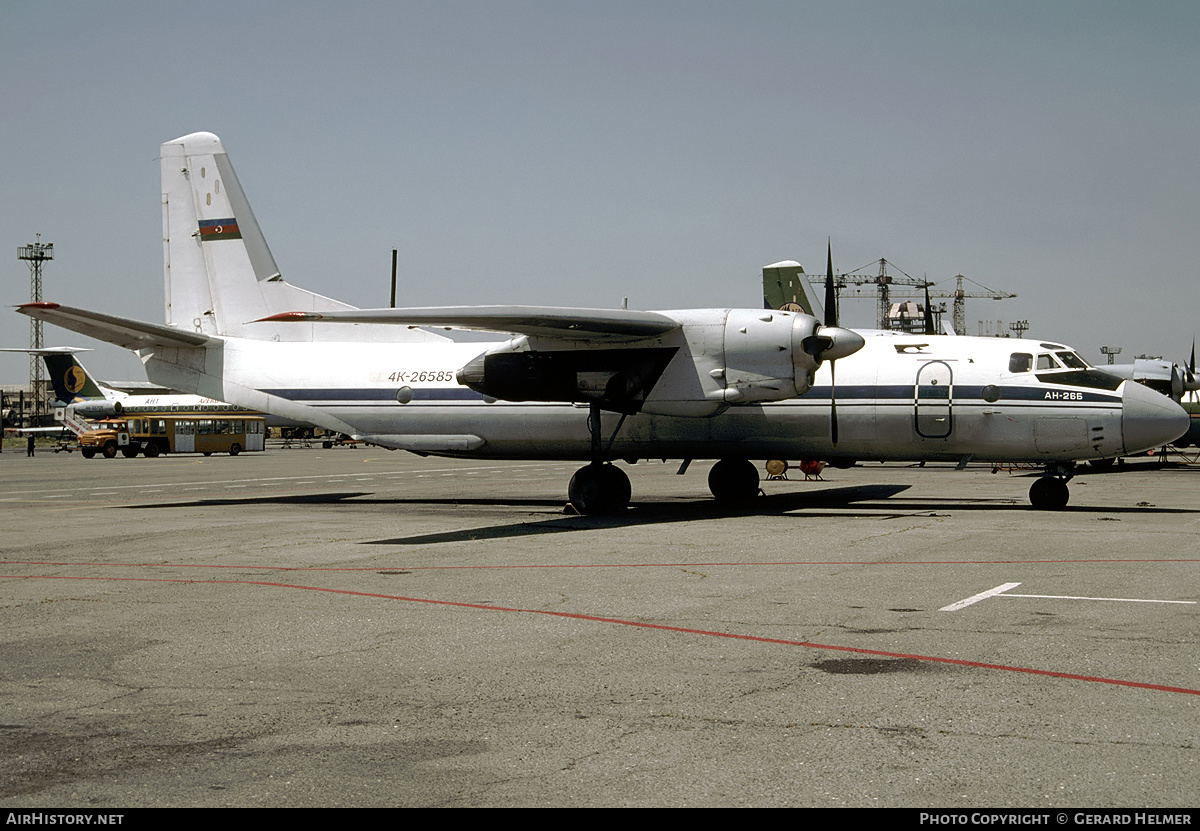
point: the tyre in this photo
(110, 450)
(235, 449)
(1049, 494)
(599, 489)
(733, 481)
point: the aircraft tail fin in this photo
(70, 380)
(219, 274)
(785, 287)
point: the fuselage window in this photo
(1020, 362)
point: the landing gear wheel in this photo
(733, 481)
(1049, 494)
(599, 489)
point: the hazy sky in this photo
(575, 153)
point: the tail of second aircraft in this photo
(70, 380)
(219, 274)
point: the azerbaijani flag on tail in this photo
(214, 229)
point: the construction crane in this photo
(881, 286)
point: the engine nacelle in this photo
(97, 408)
(751, 355)
(715, 358)
(765, 357)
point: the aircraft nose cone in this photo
(1149, 420)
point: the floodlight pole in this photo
(35, 254)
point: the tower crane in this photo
(881, 286)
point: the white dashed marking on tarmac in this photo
(962, 604)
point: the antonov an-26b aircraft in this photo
(601, 385)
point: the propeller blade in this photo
(831, 310)
(1190, 383)
(833, 429)
(831, 341)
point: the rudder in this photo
(219, 273)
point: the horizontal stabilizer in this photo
(130, 334)
(540, 321)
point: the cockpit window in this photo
(1046, 361)
(1020, 362)
(1071, 360)
(1091, 378)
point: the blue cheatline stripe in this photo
(961, 393)
(373, 394)
(889, 395)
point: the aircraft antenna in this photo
(393, 278)
(36, 254)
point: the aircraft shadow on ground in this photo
(869, 501)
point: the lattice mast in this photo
(36, 254)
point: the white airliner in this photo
(83, 396)
(601, 385)
(76, 389)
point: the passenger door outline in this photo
(934, 397)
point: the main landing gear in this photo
(602, 488)
(1050, 493)
(599, 488)
(733, 481)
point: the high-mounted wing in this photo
(537, 321)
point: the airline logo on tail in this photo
(74, 379)
(215, 229)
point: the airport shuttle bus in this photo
(156, 433)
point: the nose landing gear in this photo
(1050, 492)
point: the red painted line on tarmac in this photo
(609, 565)
(642, 625)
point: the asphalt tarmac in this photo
(354, 627)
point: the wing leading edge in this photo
(538, 321)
